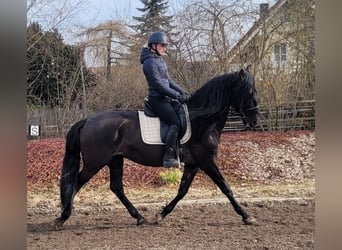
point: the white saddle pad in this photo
(150, 128)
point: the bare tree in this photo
(121, 83)
(208, 29)
(52, 14)
(282, 54)
(109, 42)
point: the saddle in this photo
(150, 124)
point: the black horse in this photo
(107, 138)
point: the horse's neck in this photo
(205, 126)
(221, 122)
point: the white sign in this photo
(34, 130)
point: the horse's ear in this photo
(248, 68)
(242, 74)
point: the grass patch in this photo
(170, 177)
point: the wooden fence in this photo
(298, 116)
(292, 117)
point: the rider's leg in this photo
(162, 107)
(170, 147)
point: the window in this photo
(280, 52)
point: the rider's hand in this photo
(183, 98)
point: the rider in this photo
(160, 89)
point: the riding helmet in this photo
(157, 37)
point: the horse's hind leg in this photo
(67, 196)
(116, 172)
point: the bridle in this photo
(252, 108)
(242, 109)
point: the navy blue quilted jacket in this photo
(157, 76)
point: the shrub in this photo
(170, 177)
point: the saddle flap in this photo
(150, 128)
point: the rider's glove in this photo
(182, 98)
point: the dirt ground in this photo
(279, 191)
(195, 223)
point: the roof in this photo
(255, 28)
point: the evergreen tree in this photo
(153, 19)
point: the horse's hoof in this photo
(58, 224)
(141, 221)
(159, 218)
(250, 221)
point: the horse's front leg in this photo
(188, 175)
(211, 169)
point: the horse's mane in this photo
(212, 98)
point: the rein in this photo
(253, 108)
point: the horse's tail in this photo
(71, 163)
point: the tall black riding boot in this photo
(169, 160)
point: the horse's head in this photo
(232, 90)
(248, 104)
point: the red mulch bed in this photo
(45, 158)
